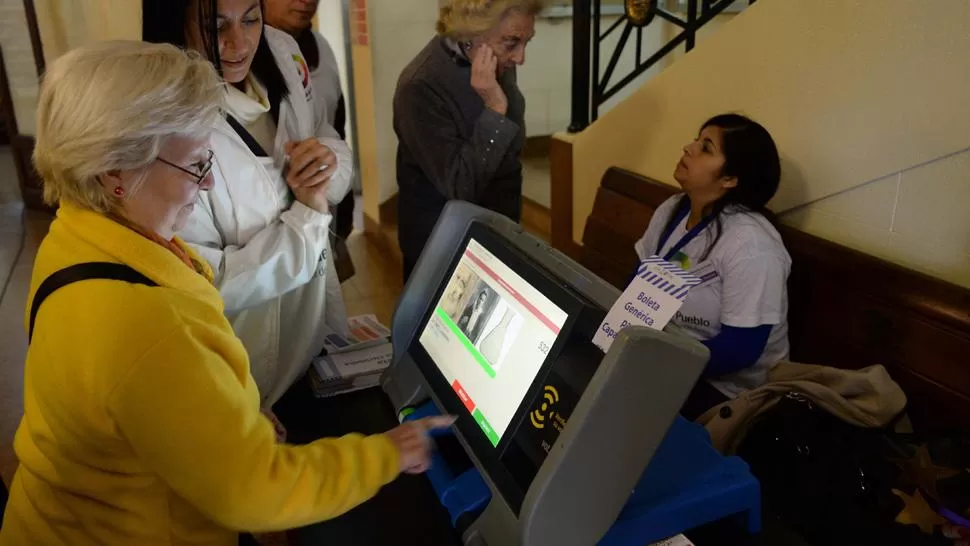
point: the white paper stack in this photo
(365, 331)
(679, 540)
(352, 362)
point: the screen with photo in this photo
(489, 335)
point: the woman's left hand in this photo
(311, 163)
(277, 425)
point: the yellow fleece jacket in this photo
(141, 421)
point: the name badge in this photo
(653, 296)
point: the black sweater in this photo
(451, 146)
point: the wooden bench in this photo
(847, 309)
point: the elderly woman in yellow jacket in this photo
(141, 420)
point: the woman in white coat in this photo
(279, 168)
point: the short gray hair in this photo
(465, 19)
(110, 106)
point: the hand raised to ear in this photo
(485, 80)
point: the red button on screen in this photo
(465, 399)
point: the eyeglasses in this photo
(203, 167)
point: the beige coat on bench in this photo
(866, 398)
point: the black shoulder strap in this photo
(82, 272)
(251, 143)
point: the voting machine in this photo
(495, 327)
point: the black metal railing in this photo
(591, 86)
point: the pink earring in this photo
(119, 191)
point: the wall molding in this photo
(561, 198)
(387, 212)
(536, 146)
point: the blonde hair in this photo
(465, 19)
(110, 106)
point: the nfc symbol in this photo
(549, 398)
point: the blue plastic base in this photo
(686, 485)
(459, 494)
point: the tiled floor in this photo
(11, 231)
(11, 210)
(13, 347)
(9, 188)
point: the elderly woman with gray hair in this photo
(460, 117)
(141, 418)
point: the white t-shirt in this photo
(326, 80)
(743, 284)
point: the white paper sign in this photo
(651, 299)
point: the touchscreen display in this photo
(489, 335)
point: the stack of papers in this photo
(352, 362)
(365, 331)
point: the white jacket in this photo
(269, 252)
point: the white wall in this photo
(546, 78)
(330, 23)
(399, 29)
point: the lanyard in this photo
(688, 237)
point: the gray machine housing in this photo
(615, 428)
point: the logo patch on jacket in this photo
(304, 71)
(321, 265)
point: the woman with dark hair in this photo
(720, 230)
(279, 167)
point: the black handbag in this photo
(839, 484)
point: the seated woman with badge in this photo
(720, 231)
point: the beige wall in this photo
(66, 24)
(19, 58)
(865, 100)
(917, 218)
(63, 24)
